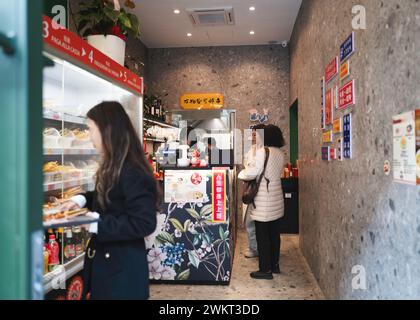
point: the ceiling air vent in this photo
(211, 17)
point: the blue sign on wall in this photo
(347, 48)
(347, 141)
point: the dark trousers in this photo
(268, 243)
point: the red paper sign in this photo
(329, 107)
(219, 196)
(331, 70)
(347, 96)
(71, 45)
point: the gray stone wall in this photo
(248, 77)
(351, 213)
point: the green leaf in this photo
(217, 242)
(166, 237)
(184, 275)
(207, 237)
(187, 225)
(159, 241)
(111, 14)
(193, 213)
(221, 233)
(125, 21)
(177, 224)
(206, 210)
(135, 24)
(194, 259)
(227, 234)
(197, 239)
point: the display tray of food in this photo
(55, 218)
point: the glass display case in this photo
(71, 87)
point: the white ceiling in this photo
(273, 20)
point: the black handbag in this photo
(251, 187)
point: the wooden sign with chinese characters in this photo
(347, 48)
(202, 101)
(344, 70)
(331, 70)
(347, 95)
(347, 139)
(219, 195)
(338, 126)
(327, 137)
(329, 107)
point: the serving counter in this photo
(195, 239)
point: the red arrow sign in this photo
(71, 45)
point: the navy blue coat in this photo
(119, 268)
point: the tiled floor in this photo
(295, 283)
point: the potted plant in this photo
(105, 24)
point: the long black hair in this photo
(120, 144)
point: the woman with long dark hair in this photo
(125, 201)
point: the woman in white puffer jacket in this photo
(269, 203)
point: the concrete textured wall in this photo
(351, 213)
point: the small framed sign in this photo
(329, 107)
(347, 95)
(347, 139)
(347, 48)
(325, 151)
(323, 103)
(338, 126)
(327, 136)
(332, 70)
(344, 70)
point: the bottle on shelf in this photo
(69, 248)
(46, 257)
(59, 239)
(78, 241)
(53, 249)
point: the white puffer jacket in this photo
(269, 203)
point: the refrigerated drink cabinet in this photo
(76, 78)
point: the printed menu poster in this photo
(407, 147)
(185, 186)
(329, 107)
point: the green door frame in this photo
(294, 132)
(21, 232)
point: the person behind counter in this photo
(125, 201)
(212, 153)
(269, 203)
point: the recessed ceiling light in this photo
(176, 11)
(189, 34)
(252, 32)
(251, 8)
